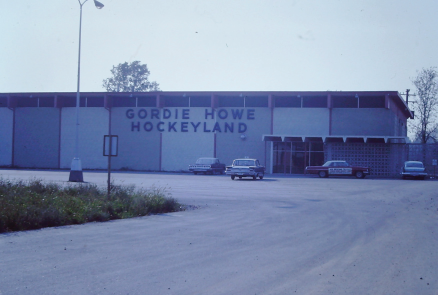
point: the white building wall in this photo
(138, 149)
(181, 150)
(184, 135)
(183, 145)
(6, 127)
(301, 121)
(36, 137)
(372, 121)
(178, 144)
(93, 125)
(231, 145)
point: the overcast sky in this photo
(227, 45)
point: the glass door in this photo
(293, 157)
(282, 155)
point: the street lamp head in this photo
(98, 4)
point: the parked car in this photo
(207, 166)
(246, 168)
(413, 169)
(337, 168)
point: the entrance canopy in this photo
(334, 138)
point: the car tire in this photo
(240, 177)
(195, 173)
(254, 177)
(322, 174)
(261, 176)
(232, 177)
(359, 174)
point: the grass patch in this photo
(26, 205)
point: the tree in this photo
(425, 125)
(133, 77)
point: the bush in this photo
(34, 204)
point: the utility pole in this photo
(407, 96)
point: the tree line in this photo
(425, 124)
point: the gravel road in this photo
(279, 235)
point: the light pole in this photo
(76, 166)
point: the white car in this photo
(246, 168)
(413, 169)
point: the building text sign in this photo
(221, 120)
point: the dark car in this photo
(337, 168)
(246, 168)
(207, 166)
(414, 169)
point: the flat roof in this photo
(334, 138)
(394, 95)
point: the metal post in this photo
(110, 154)
(76, 166)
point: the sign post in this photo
(110, 149)
(434, 163)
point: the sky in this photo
(227, 45)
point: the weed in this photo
(35, 204)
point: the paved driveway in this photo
(279, 235)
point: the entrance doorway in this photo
(293, 157)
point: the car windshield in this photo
(205, 161)
(335, 164)
(243, 163)
(414, 165)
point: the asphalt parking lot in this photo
(279, 235)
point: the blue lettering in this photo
(242, 127)
(155, 113)
(166, 114)
(176, 113)
(148, 126)
(130, 113)
(171, 126)
(229, 127)
(207, 113)
(217, 127)
(184, 126)
(136, 126)
(205, 127)
(250, 114)
(159, 128)
(142, 113)
(237, 114)
(195, 126)
(222, 114)
(185, 114)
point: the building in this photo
(167, 131)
